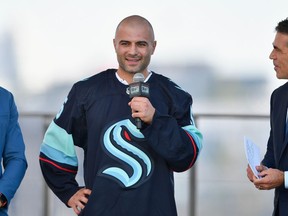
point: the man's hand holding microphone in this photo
(142, 109)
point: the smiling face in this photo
(134, 44)
(279, 55)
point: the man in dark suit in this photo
(274, 167)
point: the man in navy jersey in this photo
(127, 171)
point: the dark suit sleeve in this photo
(269, 160)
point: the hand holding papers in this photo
(252, 154)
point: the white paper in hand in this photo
(252, 154)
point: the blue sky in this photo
(66, 39)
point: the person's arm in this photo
(14, 161)
(58, 162)
(58, 159)
(179, 146)
(174, 136)
(268, 159)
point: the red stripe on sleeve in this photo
(57, 166)
(195, 149)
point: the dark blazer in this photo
(277, 148)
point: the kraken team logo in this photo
(118, 141)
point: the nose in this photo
(133, 49)
(272, 55)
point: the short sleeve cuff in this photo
(286, 179)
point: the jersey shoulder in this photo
(169, 85)
(96, 83)
(97, 79)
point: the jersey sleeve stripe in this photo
(58, 156)
(195, 150)
(196, 134)
(57, 166)
(57, 138)
(196, 140)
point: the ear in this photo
(154, 46)
(114, 44)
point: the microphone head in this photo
(138, 77)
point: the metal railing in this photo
(202, 116)
(47, 117)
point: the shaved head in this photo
(136, 21)
(134, 44)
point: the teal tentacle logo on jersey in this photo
(118, 141)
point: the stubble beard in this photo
(133, 70)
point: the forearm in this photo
(13, 174)
(176, 145)
(63, 184)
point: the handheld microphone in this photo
(138, 89)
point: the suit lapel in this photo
(285, 131)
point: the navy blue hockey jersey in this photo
(129, 171)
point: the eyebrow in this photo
(127, 41)
(275, 47)
(123, 41)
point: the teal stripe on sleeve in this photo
(58, 145)
(58, 156)
(196, 134)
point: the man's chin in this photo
(281, 76)
(134, 71)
